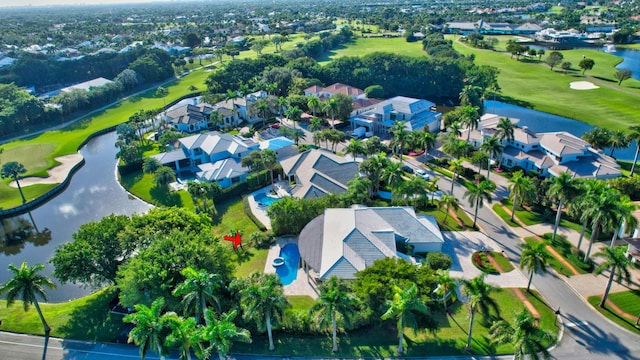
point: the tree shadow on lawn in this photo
(606, 79)
(94, 320)
(163, 196)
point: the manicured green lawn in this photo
(381, 341)
(451, 224)
(611, 106)
(502, 213)
(504, 263)
(301, 302)
(143, 186)
(628, 301)
(86, 318)
(364, 46)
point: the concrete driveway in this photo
(461, 245)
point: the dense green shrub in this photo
(246, 208)
(438, 260)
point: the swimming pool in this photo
(289, 271)
(264, 199)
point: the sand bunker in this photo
(583, 85)
(56, 174)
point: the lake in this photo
(631, 61)
(539, 121)
(92, 194)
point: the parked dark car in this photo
(407, 169)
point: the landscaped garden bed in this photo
(481, 260)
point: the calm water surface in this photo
(92, 194)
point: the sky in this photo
(5, 3)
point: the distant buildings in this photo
(418, 114)
(87, 85)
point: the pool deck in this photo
(300, 286)
(259, 210)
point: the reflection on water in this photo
(17, 231)
(93, 193)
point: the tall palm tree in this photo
(453, 146)
(393, 175)
(470, 118)
(455, 166)
(198, 288)
(270, 160)
(232, 95)
(456, 129)
(525, 335)
(402, 307)
(427, 140)
(14, 169)
(313, 103)
(448, 202)
(263, 106)
(563, 188)
(478, 299)
(534, 258)
(505, 129)
(355, 148)
(478, 193)
(184, 335)
(335, 300)
(151, 326)
(493, 148)
(27, 284)
(634, 136)
(616, 260)
(521, 188)
(626, 219)
(602, 215)
(221, 333)
(374, 169)
(413, 188)
(315, 124)
(263, 300)
(618, 140)
(294, 114)
(330, 107)
(400, 137)
(283, 103)
(447, 284)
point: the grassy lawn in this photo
(301, 302)
(451, 224)
(143, 186)
(567, 250)
(610, 106)
(553, 262)
(381, 341)
(86, 318)
(364, 46)
(504, 215)
(504, 263)
(627, 300)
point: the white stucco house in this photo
(211, 157)
(342, 242)
(549, 153)
(418, 114)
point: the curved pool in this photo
(288, 272)
(264, 199)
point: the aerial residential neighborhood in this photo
(192, 179)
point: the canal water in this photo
(92, 194)
(631, 61)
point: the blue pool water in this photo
(263, 199)
(289, 271)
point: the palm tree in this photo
(28, 285)
(315, 124)
(313, 103)
(520, 188)
(470, 118)
(335, 299)
(393, 175)
(603, 214)
(453, 146)
(294, 114)
(263, 300)
(162, 92)
(198, 288)
(493, 148)
(504, 129)
(455, 166)
(402, 308)
(525, 336)
(626, 219)
(448, 202)
(263, 106)
(221, 333)
(232, 96)
(413, 189)
(354, 148)
(427, 140)
(478, 299)
(563, 188)
(634, 136)
(373, 168)
(400, 137)
(164, 176)
(534, 258)
(478, 193)
(456, 129)
(618, 140)
(270, 160)
(616, 260)
(184, 335)
(282, 104)
(151, 325)
(447, 284)
(14, 169)
(330, 107)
